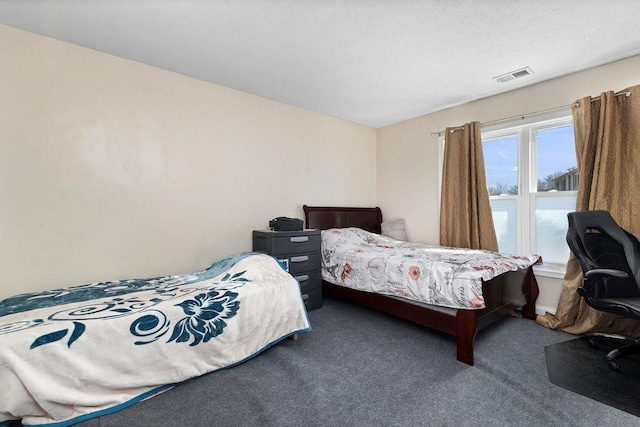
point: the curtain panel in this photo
(465, 212)
(607, 136)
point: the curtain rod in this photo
(522, 116)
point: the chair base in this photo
(628, 346)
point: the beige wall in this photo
(111, 169)
(407, 171)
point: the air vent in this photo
(513, 75)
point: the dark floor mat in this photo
(581, 368)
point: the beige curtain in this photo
(465, 213)
(607, 135)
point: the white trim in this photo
(541, 309)
(440, 170)
(524, 189)
(544, 120)
(554, 271)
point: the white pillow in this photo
(394, 229)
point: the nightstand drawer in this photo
(286, 242)
(295, 244)
(308, 281)
(302, 262)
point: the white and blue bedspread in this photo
(71, 354)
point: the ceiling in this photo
(373, 62)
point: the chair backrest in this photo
(598, 241)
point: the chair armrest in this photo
(593, 274)
(593, 288)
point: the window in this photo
(532, 179)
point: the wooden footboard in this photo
(503, 295)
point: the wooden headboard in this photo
(324, 217)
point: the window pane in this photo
(551, 227)
(505, 221)
(501, 165)
(556, 159)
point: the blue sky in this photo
(555, 153)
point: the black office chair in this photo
(610, 261)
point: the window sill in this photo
(555, 271)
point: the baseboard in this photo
(540, 309)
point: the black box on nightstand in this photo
(285, 224)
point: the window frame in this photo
(525, 129)
(528, 181)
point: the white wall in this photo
(407, 171)
(111, 169)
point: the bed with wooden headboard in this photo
(503, 294)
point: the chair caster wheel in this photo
(613, 365)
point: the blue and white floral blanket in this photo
(72, 354)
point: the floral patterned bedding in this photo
(71, 354)
(443, 276)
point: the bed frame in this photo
(503, 294)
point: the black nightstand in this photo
(300, 252)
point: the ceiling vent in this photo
(513, 75)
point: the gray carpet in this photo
(362, 368)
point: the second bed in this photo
(455, 291)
